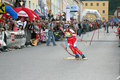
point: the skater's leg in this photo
(77, 50)
(80, 52)
(74, 52)
(49, 36)
(71, 47)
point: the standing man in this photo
(72, 40)
(79, 29)
(107, 27)
(50, 34)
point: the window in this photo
(26, 4)
(86, 4)
(33, 6)
(97, 4)
(91, 4)
(103, 18)
(29, 4)
(103, 11)
(103, 4)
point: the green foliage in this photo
(113, 4)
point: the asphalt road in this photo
(47, 62)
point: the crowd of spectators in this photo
(34, 29)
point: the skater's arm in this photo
(65, 42)
(72, 32)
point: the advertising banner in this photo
(67, 14)
(73, 8)
(15, 38)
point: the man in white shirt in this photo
(20, 22)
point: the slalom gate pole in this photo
(82, 40)
(67, 50)
(93, 36)
(98, 32)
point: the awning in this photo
(39, 14)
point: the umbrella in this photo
(31, 14)
(115, 20)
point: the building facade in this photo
(56, 6)
(101, 6)
(1, 1)
(8, 2)
(31, 4)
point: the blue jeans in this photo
(50, 34)
(79, 32)
(107, 29)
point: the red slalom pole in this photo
(92, 36)
(67, 50)
(82, 40)
(116, 33)
(98, 32)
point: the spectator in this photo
(20, 27)
(91, 26)
(12, 24)
(50, 15)
(75, 27)
(80, 29)
(3, 41)
(28, 28)
(107, 27)
(50, 34)
(84, 27)
(20, 22)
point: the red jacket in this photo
(71, 35)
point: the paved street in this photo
(48, 63)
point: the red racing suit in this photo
(72, 40)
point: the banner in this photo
(73, 8)
(16, 38)
(67, 14)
